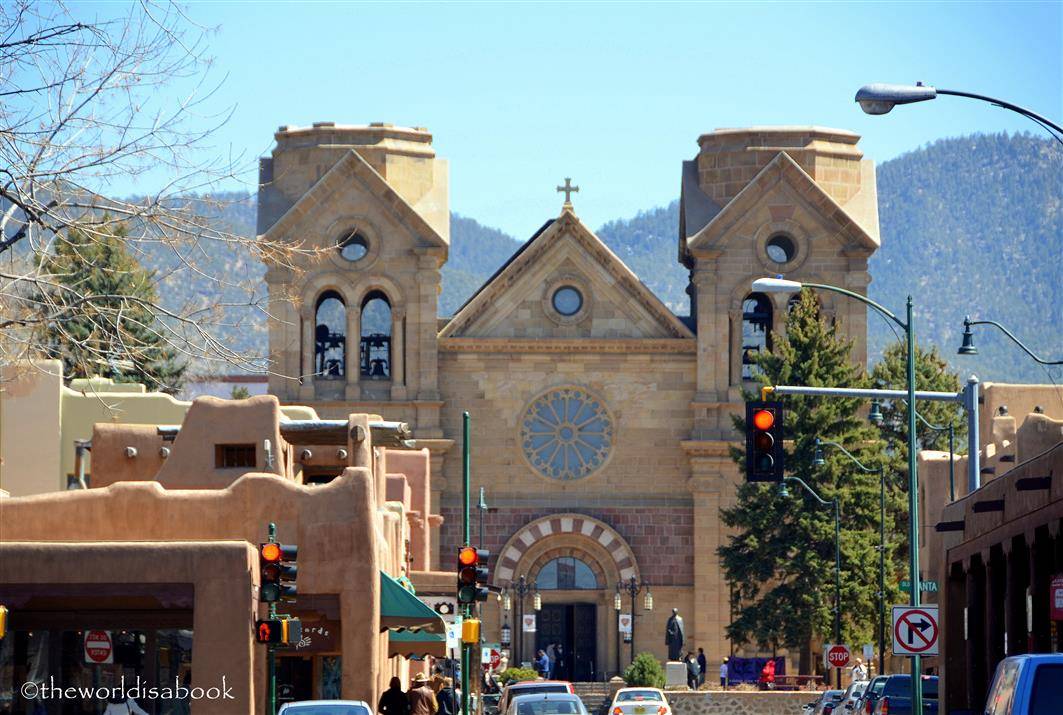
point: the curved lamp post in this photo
(784, 492)
(881, 98)
(967, 346)
(875, 418)
(781, 285)
(818, 461)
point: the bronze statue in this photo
(674, 635)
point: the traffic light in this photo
(472, 575)
(764, 450)
(281, 630)
(278, 571)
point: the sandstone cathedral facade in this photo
(601, 419)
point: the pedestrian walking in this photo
(703, 665)
(394, 701)
(723, 674)
(422, 699)
(767, 676)
(859, 671)
(692, 670)
(447, 699)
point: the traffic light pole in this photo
(466, 611)
(271, 658)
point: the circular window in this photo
(354, 247)
(781, 248)
(566, 434)
(567, 301)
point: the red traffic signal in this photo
(764, 448)
(277, 571)
(472, 574)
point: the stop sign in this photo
(838, 656)
(98, 647)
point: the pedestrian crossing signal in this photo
(764, 449)
(279, 631)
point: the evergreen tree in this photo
(780, 559)
(106, 324)
(932, 373)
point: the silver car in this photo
(546, 704)
(326, 707)
(852, 696)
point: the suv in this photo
(1027, 685)
(896, 698)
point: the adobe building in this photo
(601, 418)
(161, 554)
(997, 552)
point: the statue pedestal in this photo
(675, 674)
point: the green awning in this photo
(400, 610)
(416, 644)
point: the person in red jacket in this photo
(767, 676)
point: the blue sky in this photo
(518, 96)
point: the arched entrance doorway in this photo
(573, 562)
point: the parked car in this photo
(639, 701)
(851, 695)
(824, 704)
(546, 704)
(489, 702)
(1027, 685)
(528, 687)
(865, 705)
(896, 698)
(326, 707)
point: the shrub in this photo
(511, 675)
(645, 671)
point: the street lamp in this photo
(818, 461)
(634, 587)
(781, 285)
(784, 492)
(875, 417)
(522, 589)
(880, 98)
(968, 348)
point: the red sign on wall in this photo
(1055, 597)
(98, 647)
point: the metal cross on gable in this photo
(568, 189)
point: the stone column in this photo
(425, 331)
(976, 632)
(398, 354)
(352, 368)
(309, 360)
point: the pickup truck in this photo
(1027, 685)
(896, 697)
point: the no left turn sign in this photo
(915, 630)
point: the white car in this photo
(851, 696)
(326, 707)
(639, 701)
(546, 704)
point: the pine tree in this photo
(780, 560)
(932, 373)
(105, 323)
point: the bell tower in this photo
(353, 308)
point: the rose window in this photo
(566, 434)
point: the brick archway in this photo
(597, 535)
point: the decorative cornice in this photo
(569, 345)
(707, 447)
